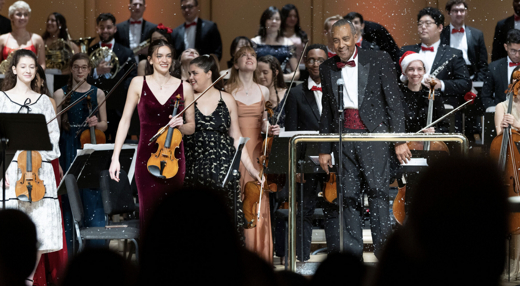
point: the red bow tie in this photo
(511, 64)
(331, 54)
(135, 22)
(106, 45)
(186, 26)
(517, 18)
(427, 48)
(315, 88)
(461, 30)
(341, 65)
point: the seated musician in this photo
(502, 118)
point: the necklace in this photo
(247, 90)
(161, 85)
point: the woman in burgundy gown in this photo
(154, 96)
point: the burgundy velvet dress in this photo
(154, 115)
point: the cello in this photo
(504, 152)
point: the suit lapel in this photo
(180, 37)
(143, 30)
(198, 34)
(438, 57)
(335, 74)
(503, 72)
(311, 99)
(446, 36)
(470, 40)
(363, 70)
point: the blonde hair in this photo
(19, 5)
(234, 80)
(326, 25)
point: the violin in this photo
(503, 150)
(92, 135)
(30, 186)
(398, 208)
(163, 164)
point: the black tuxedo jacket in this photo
(455, 75)
(379, 96)
(301, 109)
(118, 98)
(379, 35)
(477, 52)
(500, 37)
(207, 40)
(369, 45)
(123, 30)
(5, 25)
(495, 85)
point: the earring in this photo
(59, 27)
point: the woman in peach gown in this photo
(251, 98)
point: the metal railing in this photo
(350, 137)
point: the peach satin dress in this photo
(250, 118)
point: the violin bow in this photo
(444, 116)
(70, 92)
(84, 124)
(71, 105)
(165, 127)
(262, 173)
(292, 81)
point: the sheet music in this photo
(416, 162)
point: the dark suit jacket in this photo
(118, 98)
(477, 52)
(5, 25)
(379, 35)
(301, 109)
(207, 40)
(455, 75)
(369, 45)
(495, 85)
(123, 29)
(379, 96)
(500, 37)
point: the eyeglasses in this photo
(425, 24)
(82, 68)
(188, 7)
(313, 61)
(512, 51)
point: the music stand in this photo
(233, 172)
(22, 132)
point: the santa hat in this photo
(406, 59)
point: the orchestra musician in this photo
(357, 20)
(20, 38)
(133, 31)
(185, 58)
(303, 112)
(372, 104)
(196, 33)
(159, 32)
(18, 97)
(154, 94)
(236, 44)
(269, 74)
(501, 30)
(327, 26)
(291, 28)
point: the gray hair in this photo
(19, 5)
(343, 22)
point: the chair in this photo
(86, 233)
(117, 198)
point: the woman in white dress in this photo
(19, 97)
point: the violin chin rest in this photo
(154, 170)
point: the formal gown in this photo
(45, 213)
(6, 51)
(250, 118)
(283, 53)
(153, 116)
(209, 152)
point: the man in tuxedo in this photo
(357, 21)
(495, 85)
(327, 26)
(371, 104)
(100, 77)
(135, 30)
(5, 23)
(501, 29)
(195, 33)
(303, 112)
(453, 81)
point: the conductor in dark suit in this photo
(501, 29)
(196, 33)
(101, 74)
(372, 104)
(5, 23)
(133, 31)
(453, 80)
(495, 85)
(303, 112)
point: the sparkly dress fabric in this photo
(153, 116)
(209, 152)
(250, 118)
(283, 53)
(45, 213)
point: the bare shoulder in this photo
(187, 86)
(100, 92)
(228, 98)
(138, 80)
(37, 38)
(265, 91)
(287, 42)
(142, 64)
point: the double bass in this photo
(504, 151)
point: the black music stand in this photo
(87, 167)
(234, 173)
(22, 132)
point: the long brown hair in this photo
(234, 79)
(65, 117)
(175, 68)
(208, 63)
(10, 78)
(274, 66)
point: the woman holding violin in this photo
(40, 201)
(211, 148)
(155, 96)
(251, 98)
